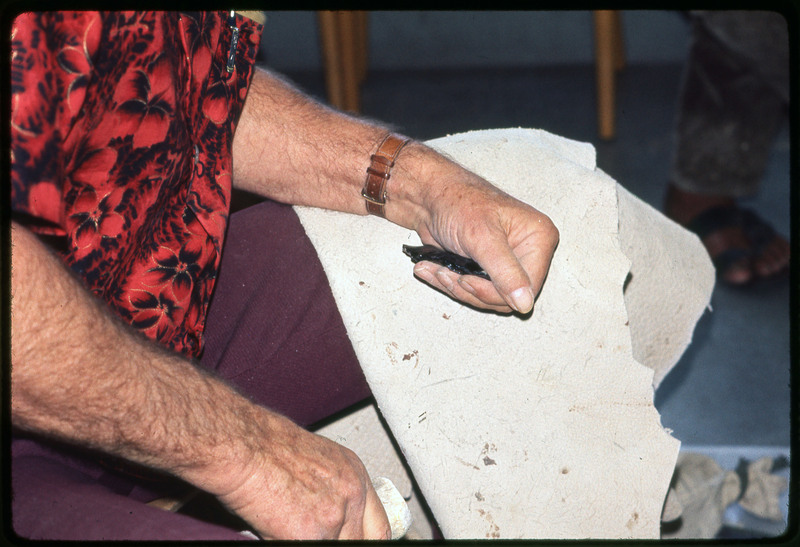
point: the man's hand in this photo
(304, 486)
(461, 212)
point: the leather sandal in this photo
(759, 235)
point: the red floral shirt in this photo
(121, 133)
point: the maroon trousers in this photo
(273, 332)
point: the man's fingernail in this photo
(445, 280)
(466, 285)
(522, 300)
(423, 272)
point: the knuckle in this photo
(552, 230)
(331, 515)
(351, 478)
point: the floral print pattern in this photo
(121, 134)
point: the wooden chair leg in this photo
(349, 32)
(331, 56)
(361, 45)
(344, 55)
(609, 57)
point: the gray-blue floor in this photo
(731, 388)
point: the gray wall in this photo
(401, 40)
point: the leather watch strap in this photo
(379, 171)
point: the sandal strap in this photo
(728, 258)
(759, 232)
(716, 218)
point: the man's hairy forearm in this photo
(81, 375)
(294, 150)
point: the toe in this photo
(774, 258)
(739, 273)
